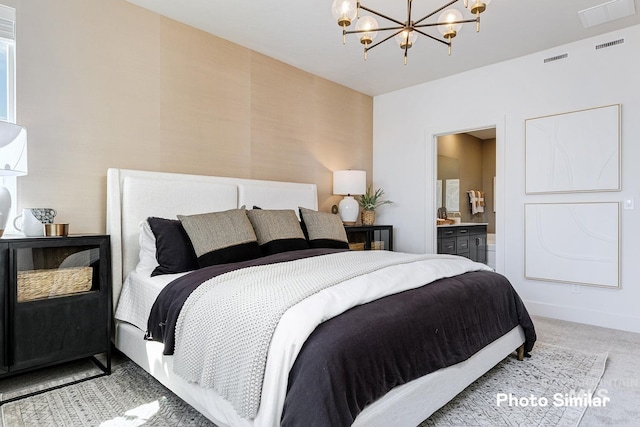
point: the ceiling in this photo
(305, 35)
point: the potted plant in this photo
(369, 201)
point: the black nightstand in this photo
(55, 302)
(370, 237)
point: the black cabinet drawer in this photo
(59, 329)
(462, 231)
(448, 246)
(462, 245)
(445, 232)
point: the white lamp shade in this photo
(13, 149)
(349, 182)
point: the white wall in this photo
(505, 95)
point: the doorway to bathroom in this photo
(465, 186)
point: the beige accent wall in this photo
(104, 83)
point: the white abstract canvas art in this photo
(573, 242)
(573, 152)
(452, 195)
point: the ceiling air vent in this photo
(556, 58)
(609, 44)
(606, 12)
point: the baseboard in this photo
(586, 316)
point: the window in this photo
(8, 86)
(7, 63)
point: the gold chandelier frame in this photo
(406, 28)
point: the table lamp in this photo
(349, 183)
(13, 162)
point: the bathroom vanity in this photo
(467, 239)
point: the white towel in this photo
(476, 200)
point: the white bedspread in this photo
(297, 323)
(139, 292)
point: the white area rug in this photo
(130, 397)
(126, 398)
(557, 374)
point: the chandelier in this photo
(405, 32)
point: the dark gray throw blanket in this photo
(355, 358)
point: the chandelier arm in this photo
(432, 37)
(435, 24)
(436, 11)
(383, 40)
(374, 30)
(382, 15)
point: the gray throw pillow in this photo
(324, 230)
(277, 230)
(221, 237)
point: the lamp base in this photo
(348, 209)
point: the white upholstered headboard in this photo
(133, 196)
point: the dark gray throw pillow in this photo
(174, 251)
(221, 237)
(324, 230)
(277, 230)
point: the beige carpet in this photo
(130, 397)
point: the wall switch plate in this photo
(628, 203)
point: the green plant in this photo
(369, 201)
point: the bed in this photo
(133, 196)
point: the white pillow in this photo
(147, 258)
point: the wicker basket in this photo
(37, 284)
(356, 246)
(377, 245)
(368, 217)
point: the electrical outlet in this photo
(628, 203)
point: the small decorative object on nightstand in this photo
(369, 201)
(55, 302)
(370, 237)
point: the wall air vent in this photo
(609, 44)
(556, 58)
